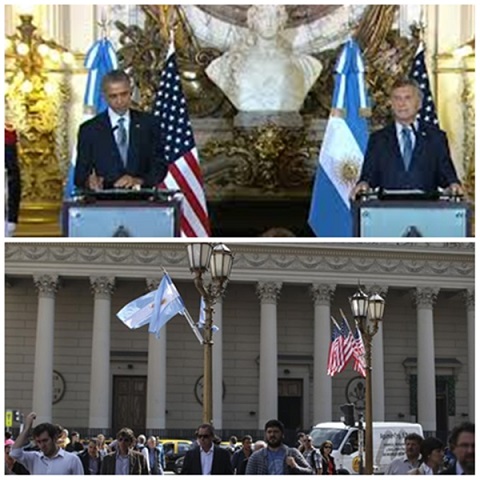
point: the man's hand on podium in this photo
(128, 181)
(95, 182)
(362, 187)
(455, 190)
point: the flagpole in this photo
(193, 326)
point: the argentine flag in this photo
(168, 303)
(343, 148)
(138, 312)
(101, 59)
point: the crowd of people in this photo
(52, 451)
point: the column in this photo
(157, 374)
(426, 393)
(322, 383)
(378, 371)
(99, 413)
(47, 286)
(470, 301)
(268, 379)
(217, 367)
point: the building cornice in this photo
(348, 263)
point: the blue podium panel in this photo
(121, 220)
(413, 219)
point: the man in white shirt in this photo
(51, 459)
(411, 460)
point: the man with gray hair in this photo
(408, 153)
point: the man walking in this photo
(51, 459)
(125, 460)
(207, 458)
(277, 458)
(411, 459)
(462, 444)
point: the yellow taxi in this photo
(174, 449)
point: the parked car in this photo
(174, 449)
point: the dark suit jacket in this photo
(431, 165)
(138, 464)
(85, 459)
(97, 149)
(221, 464)
(13, 172)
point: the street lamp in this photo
(218, 259)
(368, 312)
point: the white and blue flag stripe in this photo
(343, 148)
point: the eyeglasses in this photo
(124, 439)
(203, 436)
(327, 446)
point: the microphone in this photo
(115, 128)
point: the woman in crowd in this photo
(328, 464)
(431, 450)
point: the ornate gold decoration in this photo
(36, 89)
(144, 51)
(348, 170)
(468, 100)
(269, 158)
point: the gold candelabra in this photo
(36, 96)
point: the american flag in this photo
(418, 72)
(346, 342)
(335, 355)
(184, 172)
(359, 364)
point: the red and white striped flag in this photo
(335, 355)
(347, 342)
(184, 172)
(359, 363)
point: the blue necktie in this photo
(407, 147)
(122, 140)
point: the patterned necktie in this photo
(122, 140)
(407, 147)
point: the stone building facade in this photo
(270, 354)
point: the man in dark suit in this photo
(408, 154)
(207, 458)
(462, 445)
(121, 147)
(91, 459)
(13, 180)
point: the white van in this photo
(388, 443)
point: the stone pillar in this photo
(378, 360)
(99, 414)
(470, 301)
(217, 367)
(426, 392)
(268, 379)
(47, 286)
(157, 373)
(322, 383)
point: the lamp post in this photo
(368, 312)
(217, 259)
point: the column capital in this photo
(322, 293)
(102, 286)
(371, 288)
(469, 297)
(268, 292)
(425, 296)
(46, 284)
(152, 283)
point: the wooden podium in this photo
(123, 214)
